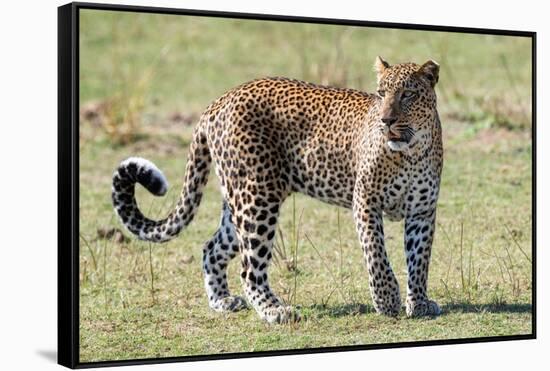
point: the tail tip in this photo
(148, 175)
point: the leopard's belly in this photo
(395, 211)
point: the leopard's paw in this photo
(388, 306)
(281, 314)
(422, 308)
(229, 304)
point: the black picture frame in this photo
(68, 181)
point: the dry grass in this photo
(143, 300)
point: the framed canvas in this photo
(323, 185)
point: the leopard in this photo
(377, 154)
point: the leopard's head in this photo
(408, 102)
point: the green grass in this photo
(196, 59)
(139, 300)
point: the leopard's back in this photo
(310, 133)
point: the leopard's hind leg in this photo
(217, 253)
(255, 227)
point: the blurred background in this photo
(158, 68)
(144, 81)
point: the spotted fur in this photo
(373, 153)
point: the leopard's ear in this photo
(380, 66)
(430, 71)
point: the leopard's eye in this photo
(408, 94)
(381, 93)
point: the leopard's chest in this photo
(393, 197)
(409, 192)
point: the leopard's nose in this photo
(389, 121)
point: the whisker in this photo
(410, 132)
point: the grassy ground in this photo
(139, 300)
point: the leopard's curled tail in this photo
(138, 170)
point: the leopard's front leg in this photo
(383, 285)
(419, 231)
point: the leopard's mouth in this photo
(400, 134)
(396, 137)
(399, 137)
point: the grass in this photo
(139, 300)
(481, 75)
